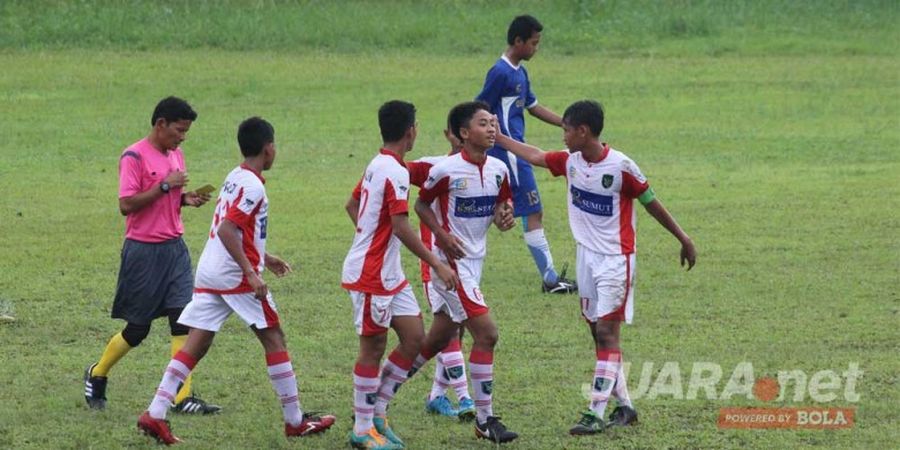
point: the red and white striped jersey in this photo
(600, 197)
(467, 194)
(373, 263)
(242, 201)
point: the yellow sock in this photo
(115, 350)
(185, 391)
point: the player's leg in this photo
(371, 321)
(481, 369)
(185, 400)
(460, 382)
(96, 375)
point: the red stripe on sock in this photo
(453, 346)
(609, 355)
(481, 357)
(366, 371)
(400, 361)
(277, 358)
(186, 359)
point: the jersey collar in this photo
(258, 175)
(465, 157)
(385, 151)
(505, 58)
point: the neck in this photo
(512, 57)
(154, 141)
(399, 148)
(475, 154)
(256, 163)
(592, 151)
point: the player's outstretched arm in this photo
(529, 153)
(450, 244)
(546, 115)
(352, 208)
(661, 214)
(230, 234)
(277, 265)
(409, 238)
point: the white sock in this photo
(394, 373)
(180, 366)
(605, 373)
(365, 391)
(284, 380)
(455, 369)
(441, 383)
(481, 369)
(537, 244)
(620, 391)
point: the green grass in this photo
(781, 161)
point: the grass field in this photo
(772, 136)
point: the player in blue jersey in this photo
(508, 92)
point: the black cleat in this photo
(623, 416)
(195, 405)
(494, 430)
(94, 389)
(590, 423)
(563, 285)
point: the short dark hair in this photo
(394, 118)
(253, 134)
(173, 109)
(461, 114)
(585, 112)
(523, 27)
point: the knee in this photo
(134, 334)
(487, 339)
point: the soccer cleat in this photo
(623, 416)
(311, 424)
(371, 441)
(384, 428)
(195, 405)
(466, 410)
(563, 285)
(441, 405)
(94, 389)
(590, 423)
(494, 430)
(157, 429)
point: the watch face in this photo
(164, 186)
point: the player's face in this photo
(530, 47)
(172, 134)
(482, 131)
(573, 137)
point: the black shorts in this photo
(153, 278)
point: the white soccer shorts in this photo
(466, 301)
(207, 311)
(372, 314)
(605, 285)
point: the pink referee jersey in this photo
(142, 167)
(373, 264)
(601, 198)
(467, 193)
(242, 201)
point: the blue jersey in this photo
(508, 92)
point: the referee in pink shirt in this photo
(155, 276)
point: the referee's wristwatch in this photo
(164, 187)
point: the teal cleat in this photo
(441, 406)
(371, 441)
(384, 428)
(466, 412)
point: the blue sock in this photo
(540, 252)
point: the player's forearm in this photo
(409, 238)
(229, 234)
(546, 115)
(427, 216)
(661, 214)
(352, 208)
(529, 153)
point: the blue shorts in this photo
(526, 198)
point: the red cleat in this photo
(157, 428)
(310, 425)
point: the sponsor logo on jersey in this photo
(520, 103)
(499, 180)
(475, 206)
(607, 180)
(459, 184)
(596, 204)
(518, 88)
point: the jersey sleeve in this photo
(505, 191)
(493, 87)
(556, 162)
(396, 193)
(435, 185)
(418, 172)
(247, 203)
(129, 174)
(634, 183)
